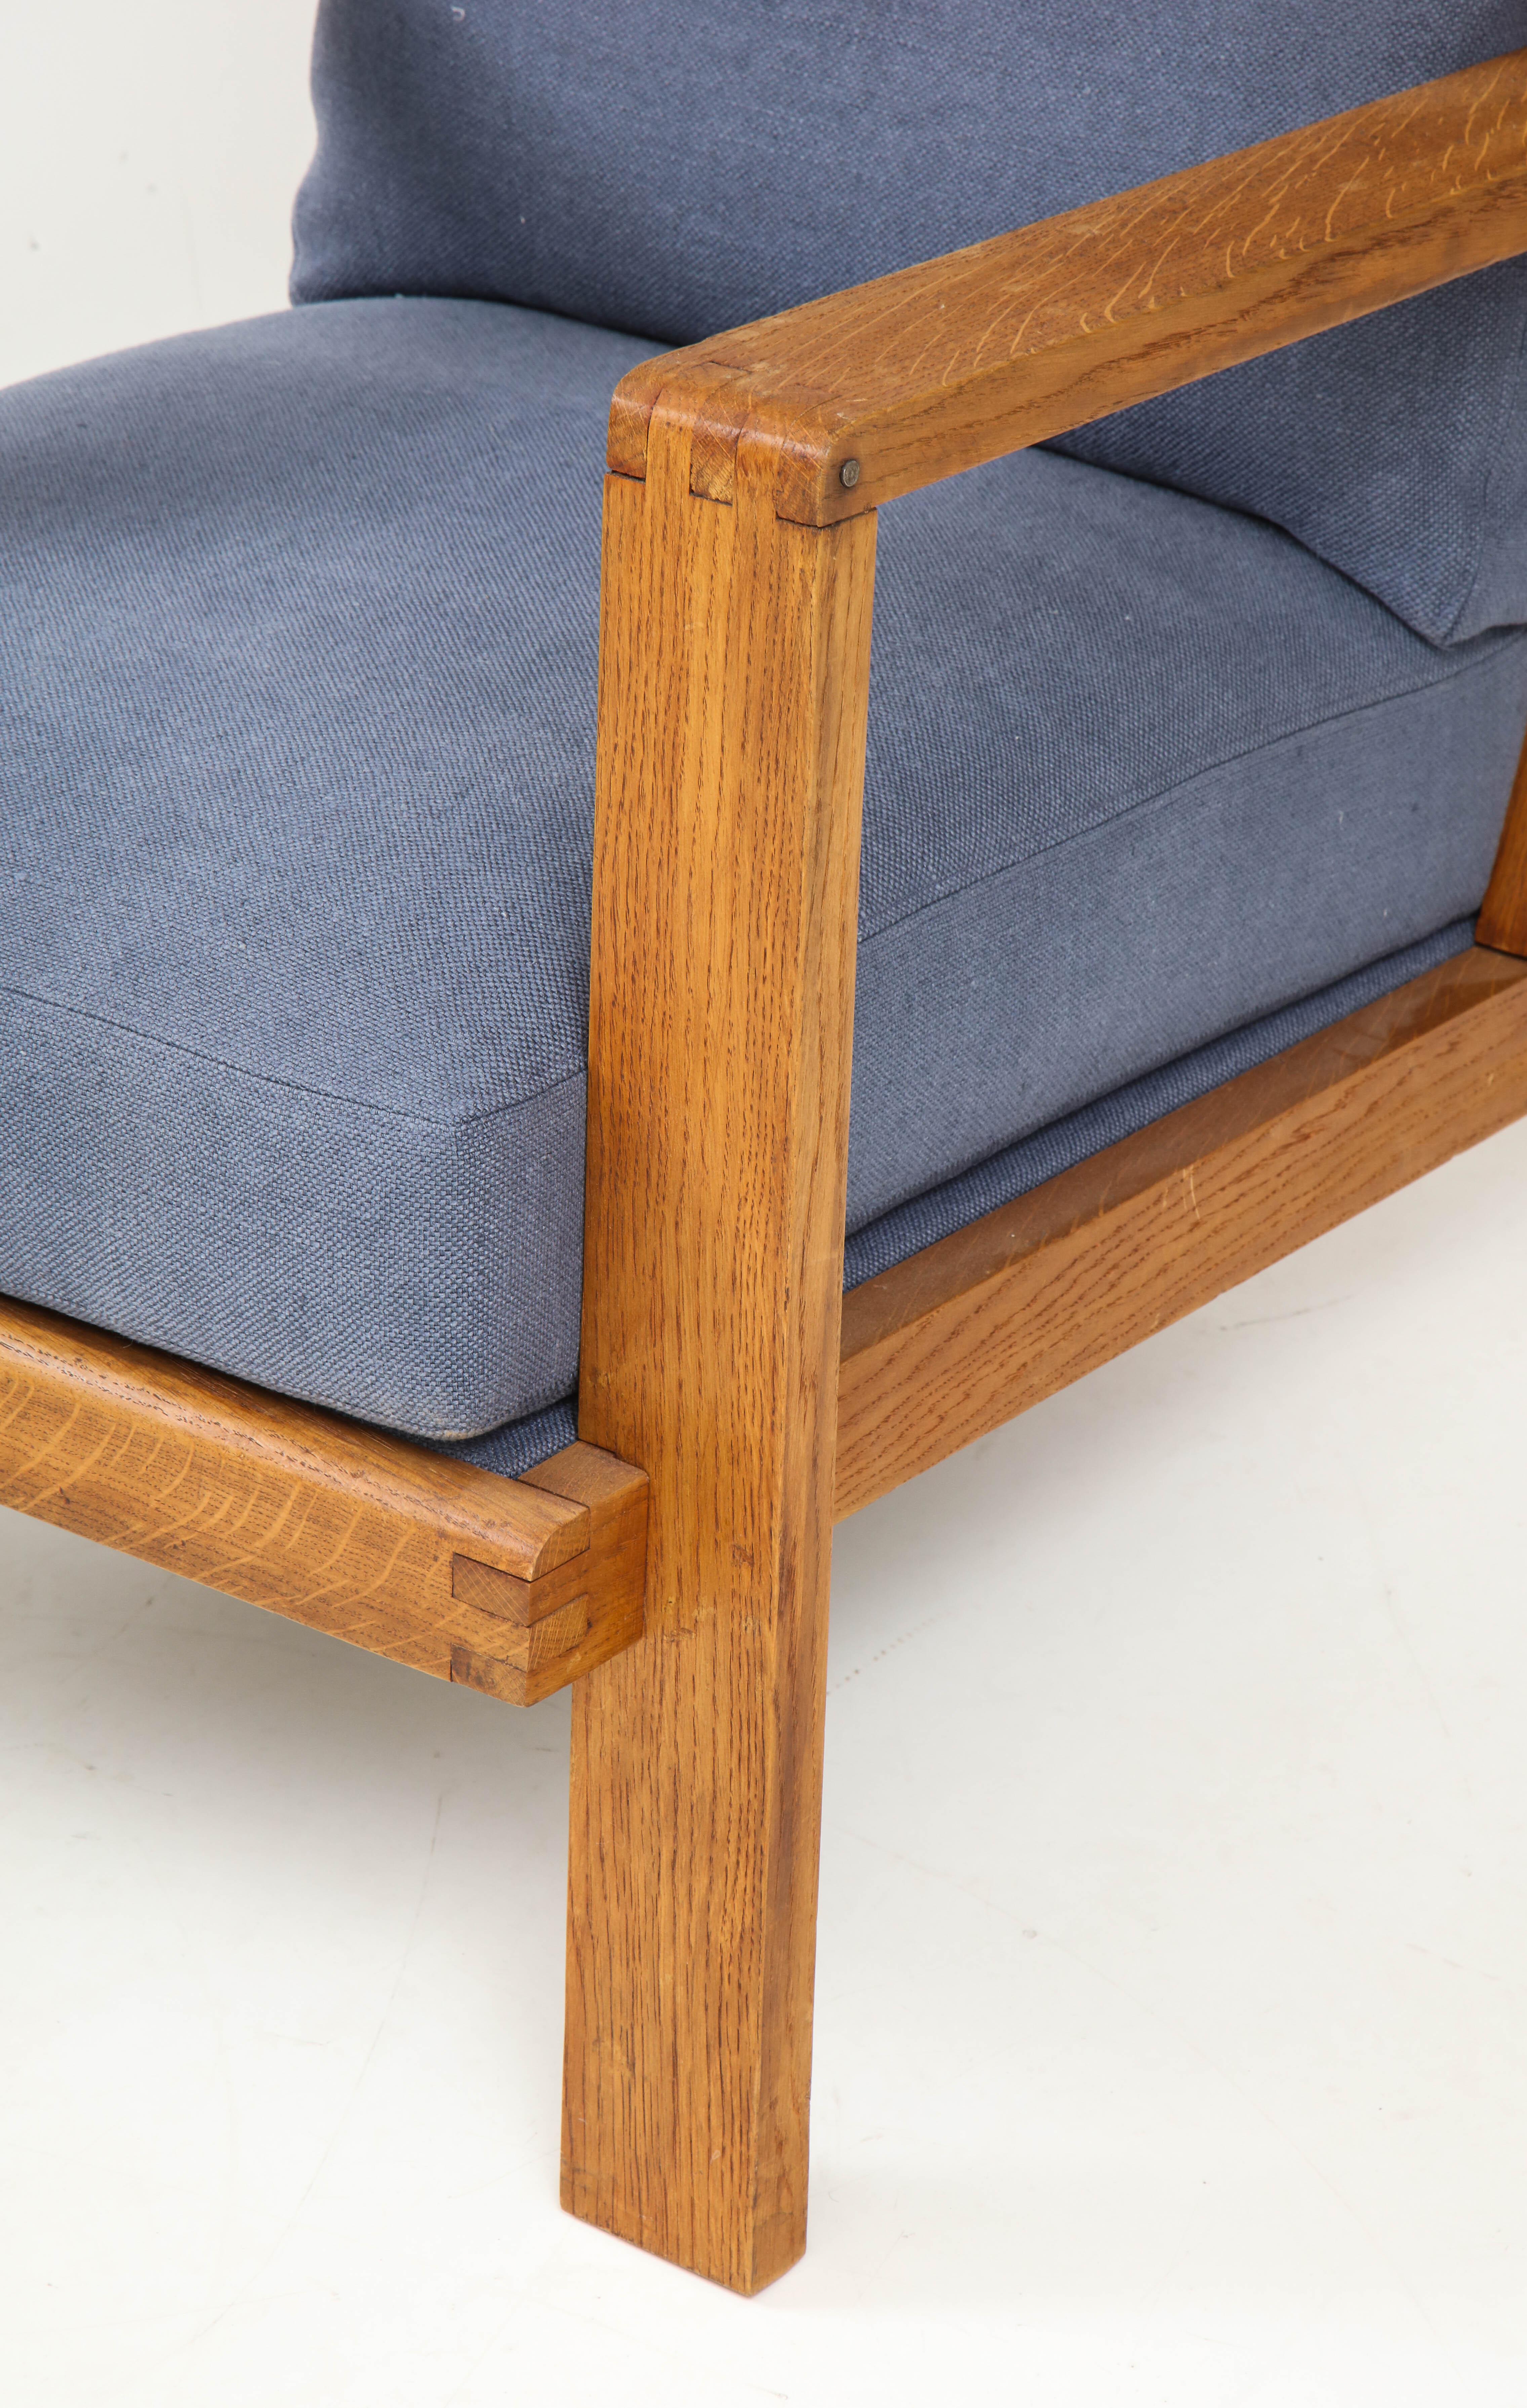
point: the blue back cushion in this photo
(671, 167)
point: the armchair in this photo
(671, 1560)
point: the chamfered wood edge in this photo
(580, 1615)
(508, 1522)
(368, 1535)
(982, 1325)
(941, 366)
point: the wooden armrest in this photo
(940, 367)
(733, 688)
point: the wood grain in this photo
(1502, 916)
(556, 1629)
(984, 350)
(990, 1320)
(733, 676)
(364, 1536)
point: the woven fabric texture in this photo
(1018, 1169)
(297, 653)
(673, 169)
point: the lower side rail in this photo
(518, 1587)
(515, 1586)
(986, 1322)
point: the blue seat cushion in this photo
(673, 170)
(880, 1244)
(298, 677)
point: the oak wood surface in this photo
(587, 1610)
(733, 676)
(942, 366)
(990, 1320)
(1503, 916)
(365, 1536)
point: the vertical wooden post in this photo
(1503, 916)
(733, 687)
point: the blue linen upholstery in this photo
(1018, 1169)
(297, 645)
(672, 167)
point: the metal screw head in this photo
(848, 473)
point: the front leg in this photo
(735, 664)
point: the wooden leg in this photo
(735, 669)
(696, 1804)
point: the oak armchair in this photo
(1032, 1206)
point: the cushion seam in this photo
(1447, 675)
(291, 1086)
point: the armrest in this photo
(890, 385)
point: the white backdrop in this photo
(148, 152)
(1173, 1974)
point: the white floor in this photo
(1170, 2033)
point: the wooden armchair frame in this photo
(731, 1400)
